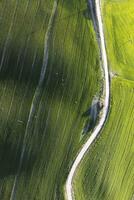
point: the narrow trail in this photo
(106, 90)
(36, 97)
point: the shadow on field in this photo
(57, 80)
(24, 66)
(11, 145)
(20, 66)
(10, 157)
(60, 77)
(23, 27)
(87, 14)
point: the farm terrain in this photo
(107, 171)
(42, 119)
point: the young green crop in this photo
(107, 171)
(72, 79)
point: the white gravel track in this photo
(97, 129)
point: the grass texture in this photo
(71, 80)
(107, 171)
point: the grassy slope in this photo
(71, 81)
(107, 171)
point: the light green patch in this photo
(119, 26)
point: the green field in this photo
(107, 172)
(71, 81)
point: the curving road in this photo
(69, 184)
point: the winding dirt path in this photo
(86, 146)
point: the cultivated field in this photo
(119, 28)
(107, 171)
(71, 81)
